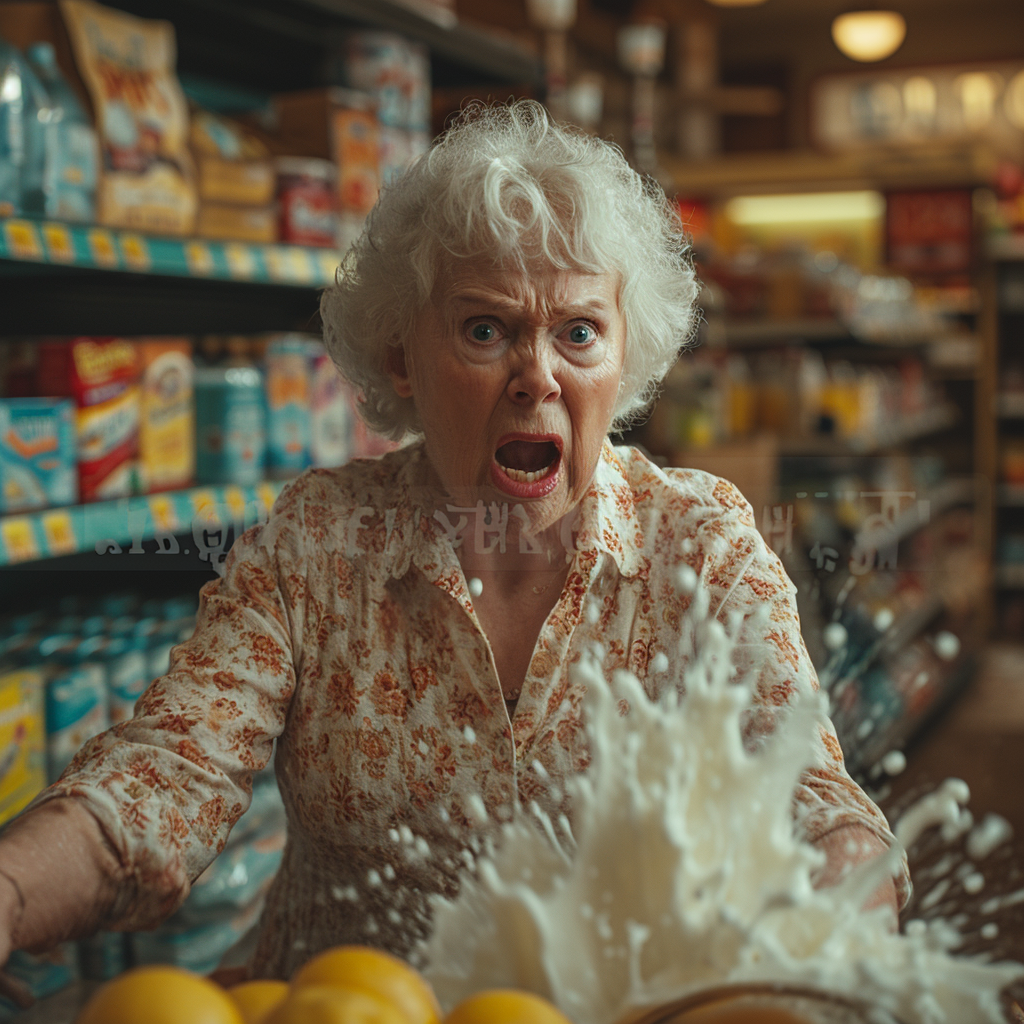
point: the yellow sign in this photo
(59, 245)
(135, 251)
(240, 260)
(234, 498)
(199, 258)
(19, 540)
(23, 240)
(165, 518)
(101, 245)
(60, 533)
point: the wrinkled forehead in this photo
(539, 281)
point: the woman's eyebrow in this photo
(580, 307)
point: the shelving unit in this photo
(107, 527)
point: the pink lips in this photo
(535, 488)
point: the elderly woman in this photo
(404, 628)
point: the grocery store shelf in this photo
(811, 171)
(930, 421)
(1010, 405)
(109, 527)
(97, 248)
(121, 282)
(1010, 576)
(743, 334)
(280, 45)
(1010, 495)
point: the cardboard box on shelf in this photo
(237, 223)
(338, 125)
(233, 165)
(167, 433)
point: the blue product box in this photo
(38, 453)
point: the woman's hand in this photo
(844, 849)
(12, 907)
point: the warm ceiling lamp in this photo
(869, 35)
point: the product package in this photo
(22, 738)
(233, 165)
(24, 115)
(237, 224)
(167, 414)
(38, 460)
(287, 382)
(71, 168)
(147, 178)
(332, 420)
(101, 374)
(230, 425)
(307, 201)
(338, 125)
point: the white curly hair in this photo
(507, 184)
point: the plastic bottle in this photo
(69, 183)
(12, 130)
(25, 114)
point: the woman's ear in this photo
(394, 366)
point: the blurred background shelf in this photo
(107, 527)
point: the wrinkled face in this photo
(515, 382)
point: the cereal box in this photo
(22, 738)
(37, 453)
(167, 430)
(101, 374)
(147, 177)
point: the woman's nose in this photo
(533, 380)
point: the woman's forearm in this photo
(59, 874)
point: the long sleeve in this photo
(747, 577)
(167, 786)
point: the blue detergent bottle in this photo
(69, 183)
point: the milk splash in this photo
(681, 871)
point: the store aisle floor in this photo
(979, 739)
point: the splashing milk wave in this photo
(682, 870)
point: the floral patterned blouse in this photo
(343, 628)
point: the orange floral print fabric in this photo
(343, 630)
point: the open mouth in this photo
(527, 461)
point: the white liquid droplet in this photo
(947, 645)
(476, 586)
(835, 636)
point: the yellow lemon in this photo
(329, 1004)
(505, 1006)
(257, 998)
(376, 972)
(160, 995)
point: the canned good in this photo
(307, 201)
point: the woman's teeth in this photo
(523, 477)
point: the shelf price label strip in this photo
(125, 525)
(92, 247)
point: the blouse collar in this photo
(415, 530)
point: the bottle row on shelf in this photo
(65, 677)
(796, 394)
(304, 170)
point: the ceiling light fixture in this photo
(869, 35)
